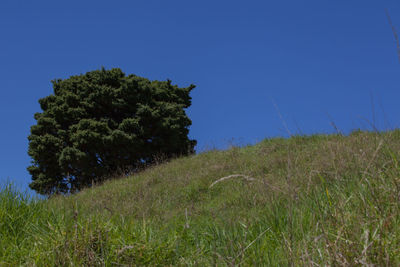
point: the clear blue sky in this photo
(316, 61)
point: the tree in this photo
(102, 122)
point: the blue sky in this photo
(314, 61)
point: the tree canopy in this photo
(103, 122)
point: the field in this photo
(301, 201)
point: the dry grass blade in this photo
(396, 37)
(372, 159)
(252, 242)
(247, 178)
(283, 121)
(122, 250)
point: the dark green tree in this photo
(103, 122)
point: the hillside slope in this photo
(322, 199)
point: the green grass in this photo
(315, 200)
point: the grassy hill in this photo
(316, 200)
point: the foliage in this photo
(104, 122)
(319, 200)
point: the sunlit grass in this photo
(316, 200)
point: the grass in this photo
(302, 201)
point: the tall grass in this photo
(18, 215)
(311, 201)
